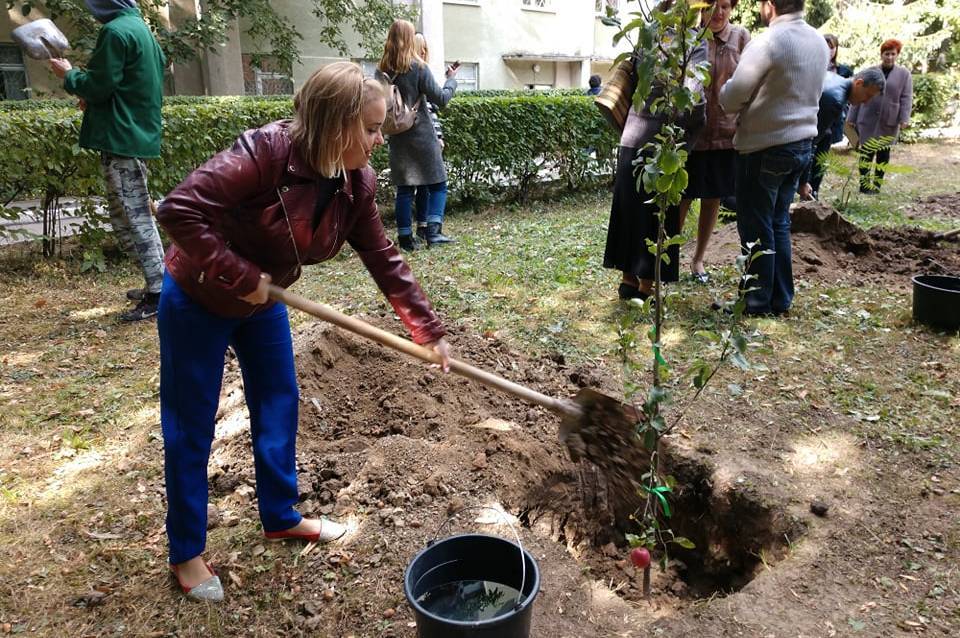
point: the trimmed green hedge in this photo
(170, 100)
(501, 146)
(495, 146)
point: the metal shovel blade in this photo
(605, 434)
(604, 431)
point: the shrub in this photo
(496, 147)
(31, 105)
(931, 92)
(500, 146)
(171, 100)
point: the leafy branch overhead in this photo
(274, 35)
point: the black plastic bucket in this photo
(473, 557)
(936, 301)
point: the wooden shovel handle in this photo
(392, 341)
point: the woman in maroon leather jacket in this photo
(286, 195)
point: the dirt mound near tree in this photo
(827, 248)
(824, 222)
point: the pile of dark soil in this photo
(829, 249)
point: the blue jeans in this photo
(193, 342)
(436, 203)
(766, 185)
(421, 201)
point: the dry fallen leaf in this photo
(104, 536)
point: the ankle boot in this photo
(408, 242)
(435, 234)
(422, 231)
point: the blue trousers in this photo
(436, 203)
(767, 182)
(421, 201)
(193, 343)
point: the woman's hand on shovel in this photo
(442, 348)
(262, 292)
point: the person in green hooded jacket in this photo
(121, 92)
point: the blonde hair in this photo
(327, 114)
(399, 49)
(422, 51)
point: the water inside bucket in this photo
(470, 600)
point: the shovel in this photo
(950, 235)
(593, 425)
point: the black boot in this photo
(422, 231)
(408, 242)
(435, 234)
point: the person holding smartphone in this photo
(415, 154)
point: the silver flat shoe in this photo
(210, 591)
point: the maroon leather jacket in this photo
(250, 209)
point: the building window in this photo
(601, 6)
(369, 67)
(262, 76)
(13, 75)
(542, 5)
(468, 77)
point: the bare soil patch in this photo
(945, 207)
(828, 249)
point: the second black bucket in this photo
(936, 301)
(482, 561)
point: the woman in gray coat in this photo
(415, 154)
(883, 118)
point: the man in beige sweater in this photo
(775, 91)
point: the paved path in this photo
(31, 222)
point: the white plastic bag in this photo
(41, 39)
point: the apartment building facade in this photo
(500, 44)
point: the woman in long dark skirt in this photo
(632, 220)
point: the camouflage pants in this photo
(130, 215)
